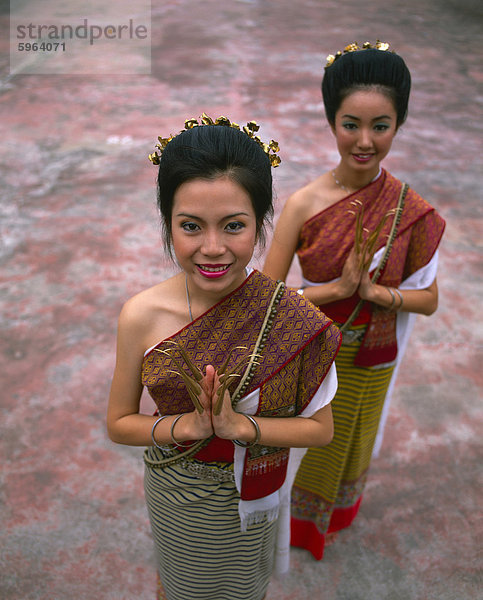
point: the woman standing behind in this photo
(367, 247)
(214, 345)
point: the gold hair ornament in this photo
(384, 46)
(250, 129)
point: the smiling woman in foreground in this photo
(239, 367)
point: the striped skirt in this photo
(201, 552)
(330, 481)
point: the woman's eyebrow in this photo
(358, 119)
(181, 214)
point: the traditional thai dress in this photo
(328, 487)
(220, 514)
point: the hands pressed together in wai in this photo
(213, 412)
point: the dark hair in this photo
(209, 152)
(363, 69)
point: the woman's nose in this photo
(212, 244)
(365, 138)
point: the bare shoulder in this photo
(312, 198)
(140, 307)
(155, 313)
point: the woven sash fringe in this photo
(252, 512)
(258, 517)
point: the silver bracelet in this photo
(400, 298)
(393, 298)
(155, 443)
(301, 291)
(257, 435)
(174, 440)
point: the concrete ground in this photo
(80, 235)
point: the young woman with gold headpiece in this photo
(368, 250)
(239, 367)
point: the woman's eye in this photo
(349, 125)
(235, 226)
(381, 127)
(189, 227)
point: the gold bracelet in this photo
(174, 440)
(257, 434)
(393, 297)
(400, 298)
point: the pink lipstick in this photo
(213, 271)
(362, 158)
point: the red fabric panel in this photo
(304, 534)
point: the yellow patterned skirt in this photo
(201, 552)
(329, 484)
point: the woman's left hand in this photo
(366, 287)
(227, 423)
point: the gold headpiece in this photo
(250, 128)
(355, 47)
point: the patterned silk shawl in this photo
(327, 238)
(297, 356)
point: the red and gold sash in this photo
(327, 238)
(297, 355)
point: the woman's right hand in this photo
(193, 426)
(344, 287)
(203, 421)
(351, 275)
(196, 425)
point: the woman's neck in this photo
(352, 182)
